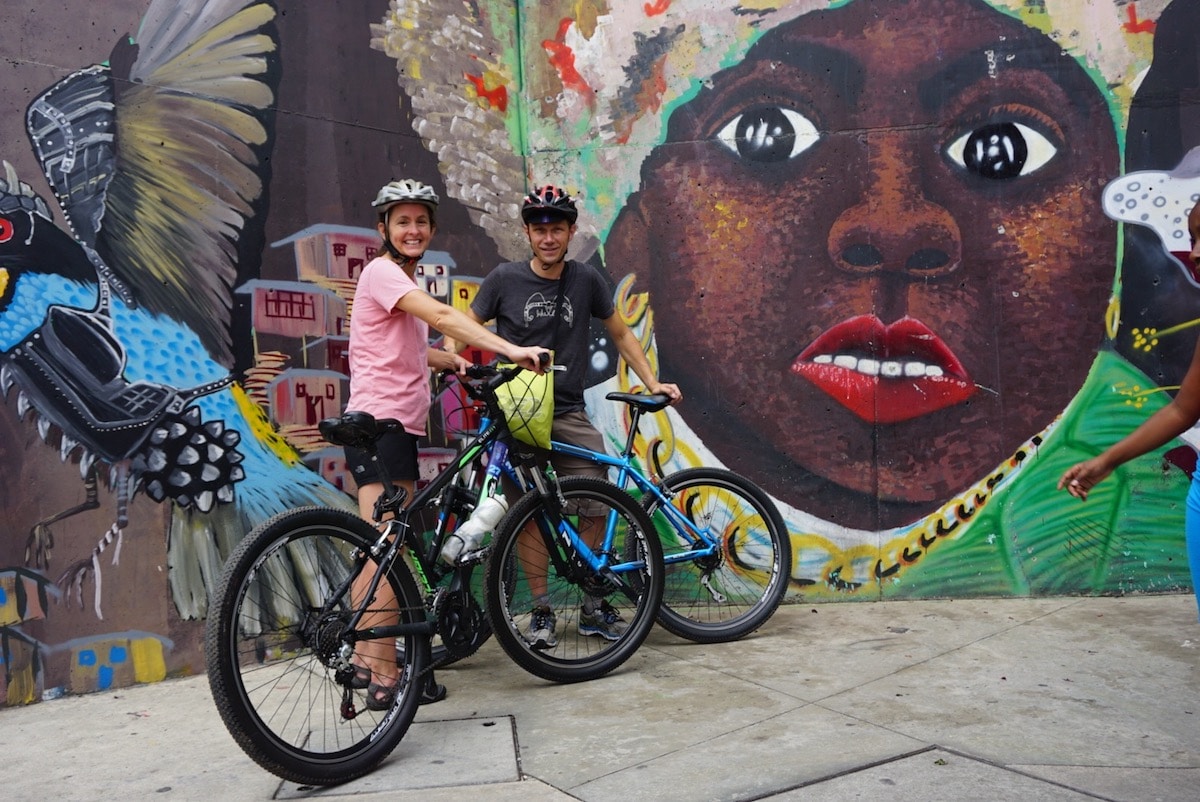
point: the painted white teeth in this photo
(889, 369)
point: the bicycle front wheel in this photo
(557, 617)
(279, 617)
(731, 591)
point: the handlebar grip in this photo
(481, 371)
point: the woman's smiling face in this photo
(880, 263)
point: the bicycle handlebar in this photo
(489, 377)
(492, 377)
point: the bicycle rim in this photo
(268, 649)
(733, 592)
(519, 567)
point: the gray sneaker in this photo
(540, 634)
(603, 621)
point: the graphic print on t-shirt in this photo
(539, 306)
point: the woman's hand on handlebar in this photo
(532, 357)
(446, 362)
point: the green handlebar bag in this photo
(527, 402)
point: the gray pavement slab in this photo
(935, 775)
(1065, 698)
(1143, 784)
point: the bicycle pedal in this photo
(474, 557)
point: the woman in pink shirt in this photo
(390, 360)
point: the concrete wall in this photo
(908, 261)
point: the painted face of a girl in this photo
(878, 267)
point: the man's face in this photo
(880, 263)
(549, 241)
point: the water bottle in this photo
(469, 536)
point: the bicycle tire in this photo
(734, 592)
(575, 657)
(267, 650)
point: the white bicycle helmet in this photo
(405, 191)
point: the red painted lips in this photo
(885, 374)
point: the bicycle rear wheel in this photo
(277, 621)
(528, 563)
(731, 593)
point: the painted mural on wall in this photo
(908, 259)
(115, 340)
(879, 246)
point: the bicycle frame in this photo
(397, 532)
(627, 471)
(599, 561)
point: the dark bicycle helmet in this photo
(548, 204)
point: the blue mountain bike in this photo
(726, 550)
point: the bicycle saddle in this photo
(356, 429)
(646, 403)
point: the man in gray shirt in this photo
(525, 300)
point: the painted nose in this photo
(895, 229)
(919, 239)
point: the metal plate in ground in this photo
(469, 751)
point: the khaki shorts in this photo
(577, 429)
(574, 428)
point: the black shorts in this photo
(397, 452)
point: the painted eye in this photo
(769, 134)
(6, 229)
(1001, 150)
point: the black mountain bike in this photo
(302, 589)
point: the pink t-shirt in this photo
(389, 373)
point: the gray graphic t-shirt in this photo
(522, 304)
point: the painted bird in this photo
(115, 336)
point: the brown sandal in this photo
(361, 678)
(380, 697)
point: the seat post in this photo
(634, 417)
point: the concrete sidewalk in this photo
(1029, 699)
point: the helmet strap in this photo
(399, 257)
(548, 267)
(391, 249)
